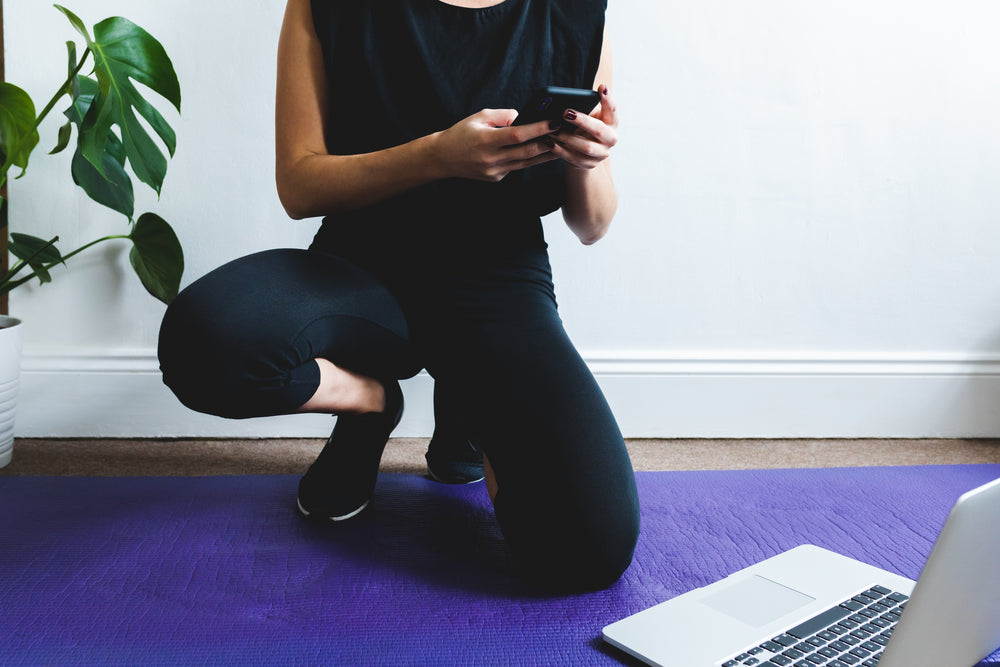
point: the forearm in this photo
(316, 184)
(591, 202)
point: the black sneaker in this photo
(340, 483)
(454, 461)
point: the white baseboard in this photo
(661, 395)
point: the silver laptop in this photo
(809, 607)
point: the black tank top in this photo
(402, 69)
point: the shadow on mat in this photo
(443, 535)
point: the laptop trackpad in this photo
(757, 601)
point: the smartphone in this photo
(550, 102)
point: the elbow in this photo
(591, 232)
(292, 201)
(593, 236)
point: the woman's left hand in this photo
(590, 143)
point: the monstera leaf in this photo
(111, 186)
(157, 257)
(37, 253)
(18, 135)
(123, 53)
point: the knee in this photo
(572, 550)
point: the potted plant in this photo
(105, 107)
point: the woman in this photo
(394, 122)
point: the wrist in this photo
(434, 164)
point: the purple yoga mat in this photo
(219, 570)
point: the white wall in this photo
(806, 243)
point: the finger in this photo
(528, 149)
(548, 156)
(580, 153)
(520, 134)
(595, 127)
(608, 111)
(584, 145)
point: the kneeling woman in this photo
(394, 122)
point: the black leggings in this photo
(241, 342)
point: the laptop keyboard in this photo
(853, 633)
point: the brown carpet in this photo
(292, 456)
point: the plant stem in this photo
(8, 286)
(63, 89)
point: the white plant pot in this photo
(10, 373)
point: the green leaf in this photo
(123, 53)
(65, 132)
(77, 23)
(18, 136)
(157, 257)
(111, 187)
(27, 247)
(36, 252)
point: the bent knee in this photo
(576, 553)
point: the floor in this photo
(291, 456)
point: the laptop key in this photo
(786, 640)
(819, 622)
(781, 660)
(881, 589)
(772, 647)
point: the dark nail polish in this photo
(570, 114)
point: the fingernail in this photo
(570, 114)
(604, 91)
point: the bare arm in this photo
(591, 198)
(312, 182)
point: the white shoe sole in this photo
(342, 517)
(443, 481)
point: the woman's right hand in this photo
(486, 147)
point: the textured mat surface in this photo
(219, 570)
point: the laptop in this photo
(810, 607)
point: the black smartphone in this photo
(550, 102)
